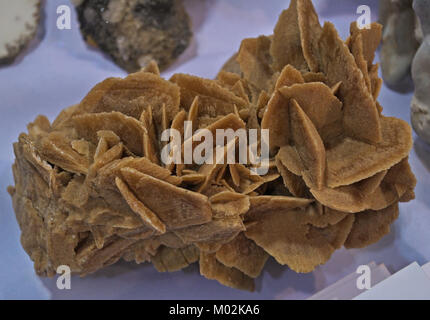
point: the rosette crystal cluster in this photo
(90, 187)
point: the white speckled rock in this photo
(18, 25)
(420, 112)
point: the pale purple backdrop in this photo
(60, 69)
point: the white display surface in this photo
(410, 283)
(61, 69)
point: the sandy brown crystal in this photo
(91, 188)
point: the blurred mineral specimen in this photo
(399, 43)
(18, 25)
(421, 74)
(134, 32)
(405, 55)
(90, 188)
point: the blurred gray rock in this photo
(399, 43)
(420, 112)
(422, 10)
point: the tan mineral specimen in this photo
(91, 188)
